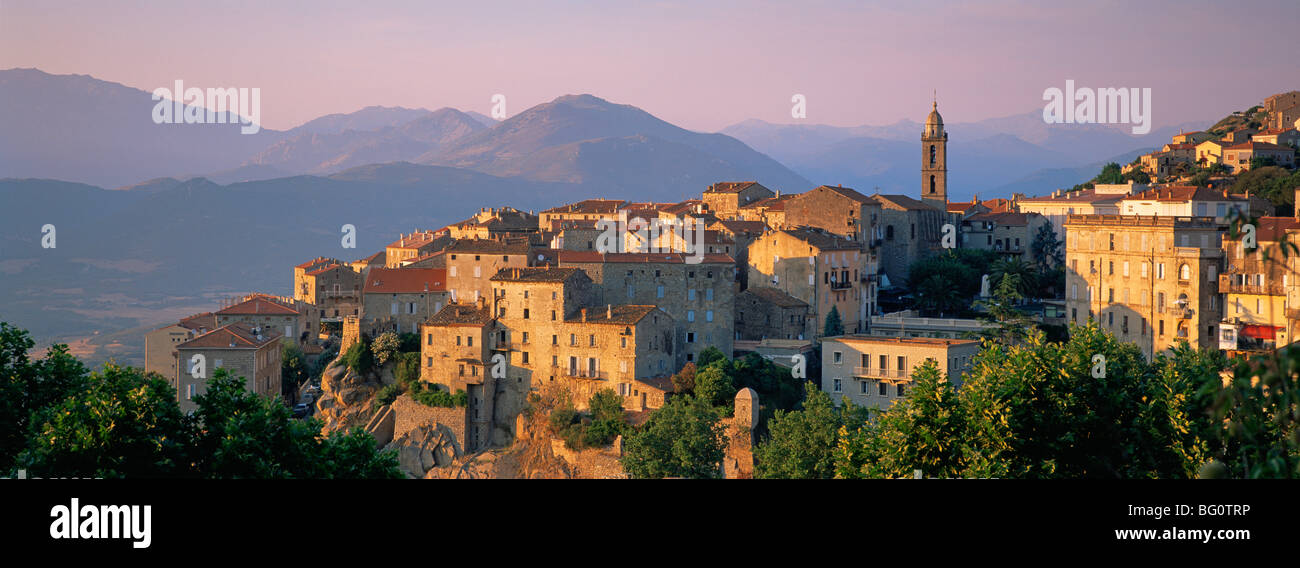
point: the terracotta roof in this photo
(1272, 229)
(772, 203)
(1272, 131)
(687, 206)
(258, 305)
(1256, 146)
(903, 202)
(231, 336)
(1181, 193)
(592, 206)
(743, 227)
(418, 239)
(880, 340)
(618, 314)
(846, 192)
(1006, 219)
(535, 274)
(324, 269)
(584, 256)
(461, 314)
(377, 258)
(730, 186)
(997, 205)
(775, 297)
(205, 320)
(318, 261)
(488, 246)
(821, 239)
(405, 280)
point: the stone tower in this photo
(934, 161)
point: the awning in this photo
(1259, 331)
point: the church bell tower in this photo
(934, 161)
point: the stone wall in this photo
(411, 414)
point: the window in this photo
(555, 340)
(883, 388)
(524, 337)
(690, 315)
(900, 390)
(708, 315)
(864, 387)
(591, 340)
(469, 340)
(525, 357)
(708, 294)
(457, 340)
(690, 294)
(659, 291)
(690, 337)
(838, 357)
(837, 386)
(1185, 272)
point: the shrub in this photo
(385, 346)
(408, 342)
(386, 395)
(407, 371)
(358, 357)
(437, 397)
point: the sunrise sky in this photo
(701, 65)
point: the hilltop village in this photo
(455, 343)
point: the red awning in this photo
(1259, 331)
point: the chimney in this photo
(584, 314)
(609, 311)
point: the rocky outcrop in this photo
(425, 447)
(345, 399)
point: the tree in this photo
(385, 346)
(1047, 250)
(293, 370)
(122, 424)
(709, 355)
(1026, 277)
(938, 294)
(684, 438)
(28, 386)
(1110, 174)
(358, 357)
(1011, 326)
(684, 380)
(801, 443)
(245, 435)
(925, 431)
(1259, 410)
(713, 384)
(607, 420)
(833, 325)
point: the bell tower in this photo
(934, 160)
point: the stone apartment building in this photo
(586, 210)
(456, 349)
(724, 199)
(1102, 199)
(363, 265)
(244, 349)
(742, 234)
(770, 211)
(1255, 307)
(700, 298)
(1279, 136)
(400, 299)
(821, 269)
(1283, 110)
(271, 313)
(838, 210)
(1150, 281)
(877, 371)
(414, 245)
(1237, 157)
(1186, 201)
(553, 330)
(332, 288)
(763, 312)
(160, 344)
(1009, 234)
(472, 263)
(497, 223)
(910, 230)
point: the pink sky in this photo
(701, 65)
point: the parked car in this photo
(301, 410)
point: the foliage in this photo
(293, 369)
(433, 395)
(714, 385)
(28, 386)
(407, 369)
(385, 346)
(1047, 250)
(1011, 326)
(386, 395)
(800, 443)
(1026, 278)
(945, 283)
(833, 325)
(684, 380)
(358, 357)
(684, 438)
(709, 355)
(409, 342)
(1273, 183)
(1259, 410)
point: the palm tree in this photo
(938, 294)
(1027, 278)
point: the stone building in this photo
(838, 210)
(414, 245)
(1102, 199)
(1187, 201)
(1238, 156)
(700, 297)
(331, 288)
(1009, 234)
(586, 210)
(1280, 136)
(724, 199)
(400, 299)
(742, 234)
(819, 268)
(876, 371)
(763, 312)
(160, 344)
(1283, 109)
(456, 353)
(246, 350)
(770, 211)
(1150, 281)
(270, 313)
(363, 265)
(472, 263)
(497, 223)
(910, 230)
(1255, 288)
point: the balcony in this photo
(579, 373)
(875, 373)
(1227, 286)
(1181, 312)
(841, 285)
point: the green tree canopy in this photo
(684, 438)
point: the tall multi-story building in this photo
(699, 297)
(400, 299)
(456, 350)
(821, 269)
(331, 288)
(1150, 281)
(1254, 283)
(724, 199)
(270, 312)
(245, 350)
(414, 245)
(839, 210)
(910, 230)
(1102, 199)
(876, 371)
(472, 263)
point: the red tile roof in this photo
(258, 305)
(730, 186)
(405, 280)
(583, 256)
(592, 206)
(231, 336)
(1256, 146)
